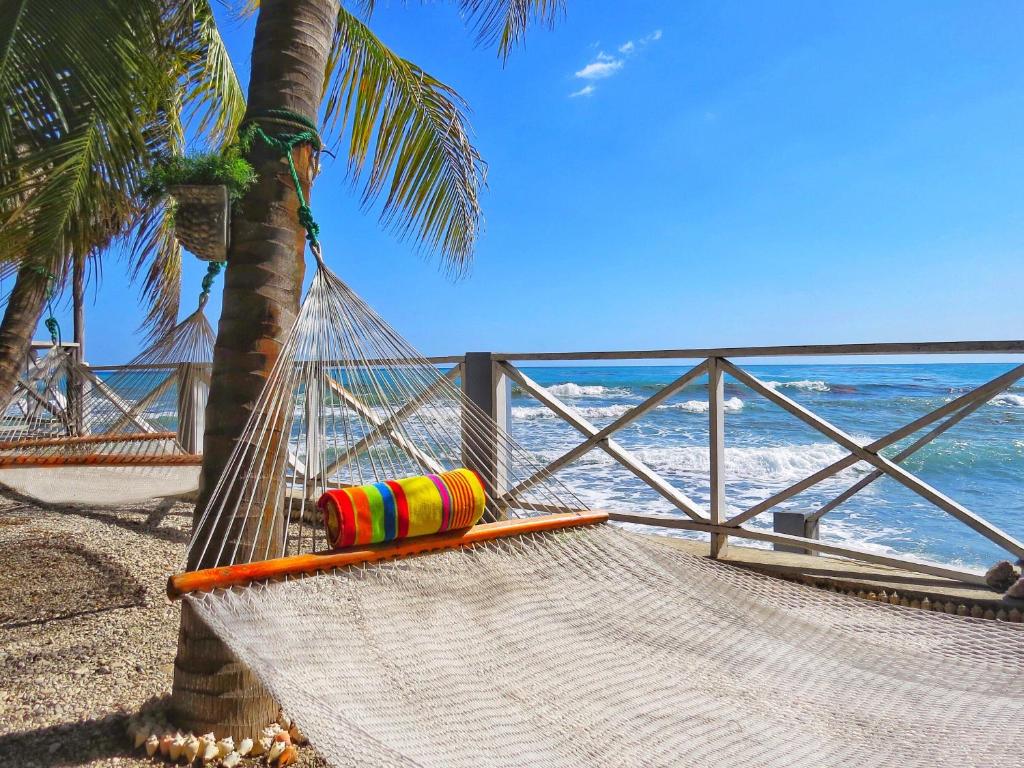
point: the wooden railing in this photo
(715, 364)
(486, 379)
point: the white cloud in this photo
(601, 67)
(605, 64)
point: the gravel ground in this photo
(87, 635)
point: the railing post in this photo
(192, 393)
(314, 407)
(76, 392)
(794, 524)
(716, 441)
(483, 449)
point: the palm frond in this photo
(503, 23)
(407, 140)
(94, 92)
(500, 23)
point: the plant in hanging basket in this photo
(203, 188)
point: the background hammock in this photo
(580, 646)
(70, 434)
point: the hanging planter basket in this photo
(202, 219)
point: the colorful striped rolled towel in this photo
(398, 509)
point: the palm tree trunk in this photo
(262, 287)
(24, 307)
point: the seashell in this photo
(165, 744)
(1015, 615)
(950, 608)
(298, 737)
(961, 610)
(977, 611)
(905, 602)
(1001, 615)
(260, 746)
(140, 736)
(288, 757)
(177, 748)
(926, 604)
(225, 746)
(915, 603)
(989, 614)
(275, 751)
(152, 744)
(210, 751)
(231, 759)
(191, 749)
(894, 599)
(283, 736)
(283, 720)
(1001, 575)
(245, 746)
(872, 596)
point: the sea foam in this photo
(571, 389)
(805, 385)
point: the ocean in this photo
(979, 462)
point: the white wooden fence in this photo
(487, 377)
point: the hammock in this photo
(544, 636)
(73, 435)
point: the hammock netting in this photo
(74, 435)
(586, 646)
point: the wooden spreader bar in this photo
(44, 442)
(104, 460)
(299, 565)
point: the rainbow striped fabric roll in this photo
(398, 509)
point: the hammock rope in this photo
(110, 439)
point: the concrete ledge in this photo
(873, 582)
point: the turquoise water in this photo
(979, 462)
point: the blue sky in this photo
(727, 173)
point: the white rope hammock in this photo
(72, 435)
(585, 646)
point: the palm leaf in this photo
(407, 140)
(97, 90)
(501, 23)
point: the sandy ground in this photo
(87, 635)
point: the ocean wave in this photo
(571, 389)
(767, 464)
(806, 385)
(587, 412)
(701, 406)
(1008, 399)
(617, 410)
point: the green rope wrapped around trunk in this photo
(284, 143)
